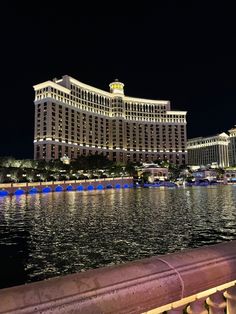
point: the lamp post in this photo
(9, 177)
(38, 175)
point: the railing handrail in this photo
(133, 287)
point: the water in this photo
(47, 235)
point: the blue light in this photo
(4, 193)
(69, 188)
(33, 191)
(117, 186)
(19, 192)
(90, 188)
(46, 190)
(80, 188)
(58, 188)
(126, 186)
(100, 187)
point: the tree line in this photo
(92, 166)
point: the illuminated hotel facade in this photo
(232, 147)
(204, 151)
(73, 119)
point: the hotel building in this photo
(232, 147)
(204, 151)
(73, 119)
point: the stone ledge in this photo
(134, 287)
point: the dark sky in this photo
(182, 53)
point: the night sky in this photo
(184, 54)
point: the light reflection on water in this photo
(46, 235)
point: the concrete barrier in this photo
(134, 287)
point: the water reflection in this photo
(46, 235)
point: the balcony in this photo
(197, 281)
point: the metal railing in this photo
(196, 281)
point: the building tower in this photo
(232, 147)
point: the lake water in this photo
(47, 235)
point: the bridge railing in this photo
(23, 184)
(196, 281)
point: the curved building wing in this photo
(73, 119)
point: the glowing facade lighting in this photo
(208, 150)
(75, 119)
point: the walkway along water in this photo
(57, 186)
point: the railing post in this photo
(178, 310)
(230, 295)
(216, 303)
(197, 307)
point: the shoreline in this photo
(7, 189)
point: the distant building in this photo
(76, 119)
(65, 159)
(232, 146)
(209, 150)
(230, 175)
(157, 173)
(210, 175)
